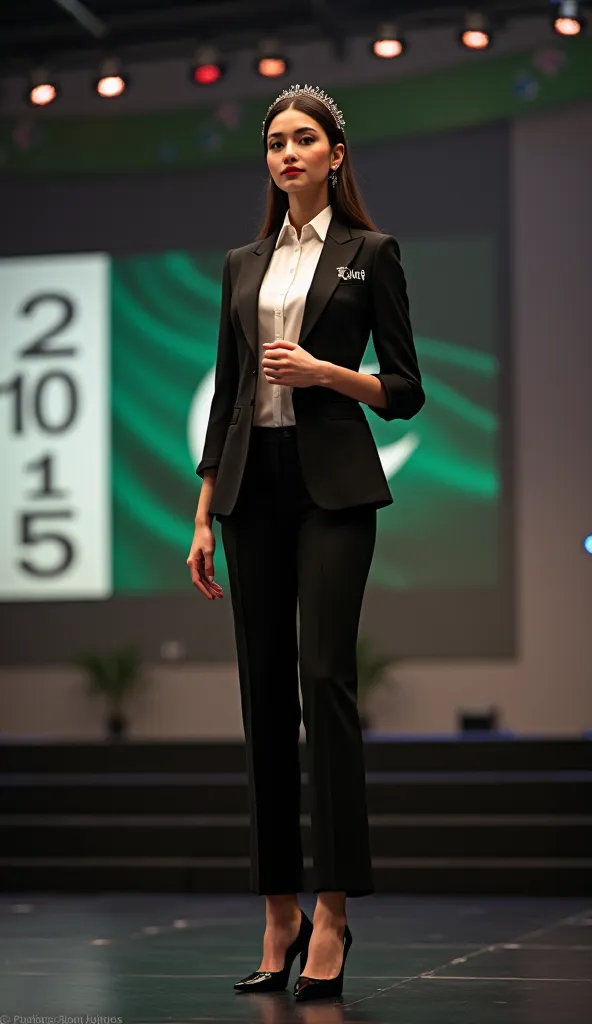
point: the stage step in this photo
(473, 816)
(466, 752)
(226, 793)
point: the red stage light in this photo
(206, 74)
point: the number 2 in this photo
(40, 346)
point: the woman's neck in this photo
(303, 210)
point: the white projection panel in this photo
(55, 510)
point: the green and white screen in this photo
(107, 379)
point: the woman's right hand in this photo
(201, 562)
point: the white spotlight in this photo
(389, 42)
(568, 21)
(476, 34)
(42, 89)
(111, 82)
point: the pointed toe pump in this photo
(276, 981)
(306, 988)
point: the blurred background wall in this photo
(539, 677)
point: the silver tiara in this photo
(309, 90)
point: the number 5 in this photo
(30, 536)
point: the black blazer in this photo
(339, 458)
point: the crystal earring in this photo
(333, 179)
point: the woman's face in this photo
(295, 139)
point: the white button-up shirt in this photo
(281, 308)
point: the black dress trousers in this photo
(297, 576)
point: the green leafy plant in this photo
(371, 669)
(113, 676)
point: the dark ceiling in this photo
(34, 30)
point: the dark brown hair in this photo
(344, 198)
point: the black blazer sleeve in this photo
(225, 381)
(393, 336)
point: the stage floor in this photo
(415, 960)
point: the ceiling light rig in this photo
(271, 60)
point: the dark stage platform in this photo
(415, 960)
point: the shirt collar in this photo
(319, 225)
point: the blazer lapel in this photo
(251, 274)
(339, 249)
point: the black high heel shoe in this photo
(322, 988)
(276, 981)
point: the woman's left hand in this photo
(288, 364)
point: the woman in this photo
(291, 469)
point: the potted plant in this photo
(371, 668)
(113, 676)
